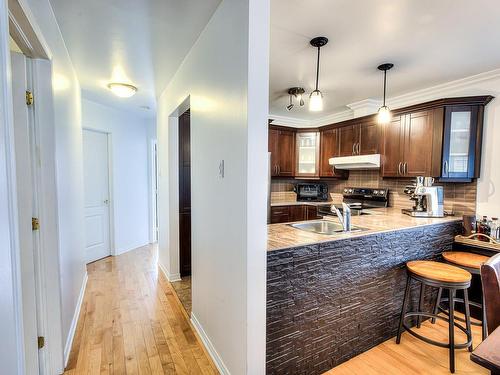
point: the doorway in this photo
(96, 194)
(183, 286)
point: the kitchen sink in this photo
(323, 227)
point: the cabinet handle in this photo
(399, 168)
(279, 169)
(353, 148)
(445, 168)
(405, 168)
(359, 148)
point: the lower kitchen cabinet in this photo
(286, 214)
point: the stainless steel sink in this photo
(323, 227)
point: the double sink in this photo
(326, 227)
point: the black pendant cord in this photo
(385, 84)
(317, 70)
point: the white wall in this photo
(225, 77)
(69, 168)
(130, 148)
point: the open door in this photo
(185, 193)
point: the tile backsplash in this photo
(458, 197)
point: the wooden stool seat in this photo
(438, 271)
(464, 259)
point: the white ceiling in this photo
(430, 42)
(139, 41)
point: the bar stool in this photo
(470, 262)
(443, 276)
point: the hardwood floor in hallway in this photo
(131, 322)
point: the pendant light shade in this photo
(316, 97)
(384, 113)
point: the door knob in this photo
(106, 201)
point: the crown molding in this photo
(460, 87)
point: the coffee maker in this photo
(429, 199)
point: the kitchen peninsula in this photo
(330, 298)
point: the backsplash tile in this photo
(458, 197)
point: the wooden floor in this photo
(183, 290)
(131, 322)
(414, 356)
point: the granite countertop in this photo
(282, 236)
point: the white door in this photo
(23, 139)
(96, 188)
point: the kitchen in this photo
(355, 199)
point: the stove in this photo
(360, 200)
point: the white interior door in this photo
(96, 188)
(26, 210)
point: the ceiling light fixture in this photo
(316, 97)
(123, 90)
(384, 113)
(295, 92)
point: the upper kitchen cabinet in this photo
(281, 145)
(361, 138)
(441, 139)
(329, 148)
(307, 153)
(462, 142)
(412, 144)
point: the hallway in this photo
(131, 322)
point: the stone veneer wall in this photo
(329, 302)
(458, 197)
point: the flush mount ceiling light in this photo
(295, 92)
(316, 97)
(384, 113)
(123, 90)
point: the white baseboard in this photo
(209, 346)
(74, 322)
(170, 277)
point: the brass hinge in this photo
(35, 224)
(41, 342)
(29, 97)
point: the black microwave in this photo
(312, 192)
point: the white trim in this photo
(74, 321)
(169, 277)
(368, 106)
(219, 363)
(153, 191)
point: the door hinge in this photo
(29, 97)
(41, 342)
(35, 224)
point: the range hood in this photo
(356, 162)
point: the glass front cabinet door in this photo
(307, 154)
(459, 143)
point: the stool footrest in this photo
(460, 300)
(430, 341)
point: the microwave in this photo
(311, 192)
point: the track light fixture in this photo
(297, 93)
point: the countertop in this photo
(300, 203)
(282, 236)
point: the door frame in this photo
(154, 181)
(27, 35)
(111, 206)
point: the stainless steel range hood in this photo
(356, 162)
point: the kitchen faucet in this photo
(344, 217)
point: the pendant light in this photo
(384, 113)
(316, 97)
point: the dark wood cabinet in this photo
(361, 138)
(329, 148)
(300, 212)
(281, 145)
(462, 140)
(412, 144)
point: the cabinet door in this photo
(348, 139)
(369, 138)
(312, 213)
(329, 148)
(307, 154)
(280, 214)
(272, 143)
(418, 144)
(297, 213)
(459, 148)
(392, 147)
(286, 153)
